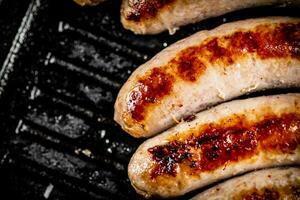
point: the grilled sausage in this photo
(276, 183)
(88, 2)
(229, 139)
(151, 17)
(207, 68)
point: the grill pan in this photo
(62, 67)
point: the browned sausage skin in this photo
(154, 16)
(229, 139)
(275, 183)
(88, 2)
(207, 68)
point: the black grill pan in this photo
(62, 67)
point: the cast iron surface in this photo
(62, 67)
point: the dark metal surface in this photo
(62, 68)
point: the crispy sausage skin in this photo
(154, 16)
(88, 2)
(207, 68)
(229, 139)
(276, 183)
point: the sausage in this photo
(88, 2)
(151, 17)
(207, 68)
(229, 139)
(276, 183)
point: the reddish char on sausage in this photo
(229, 139)
(207, 68)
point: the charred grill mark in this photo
(215, 145)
